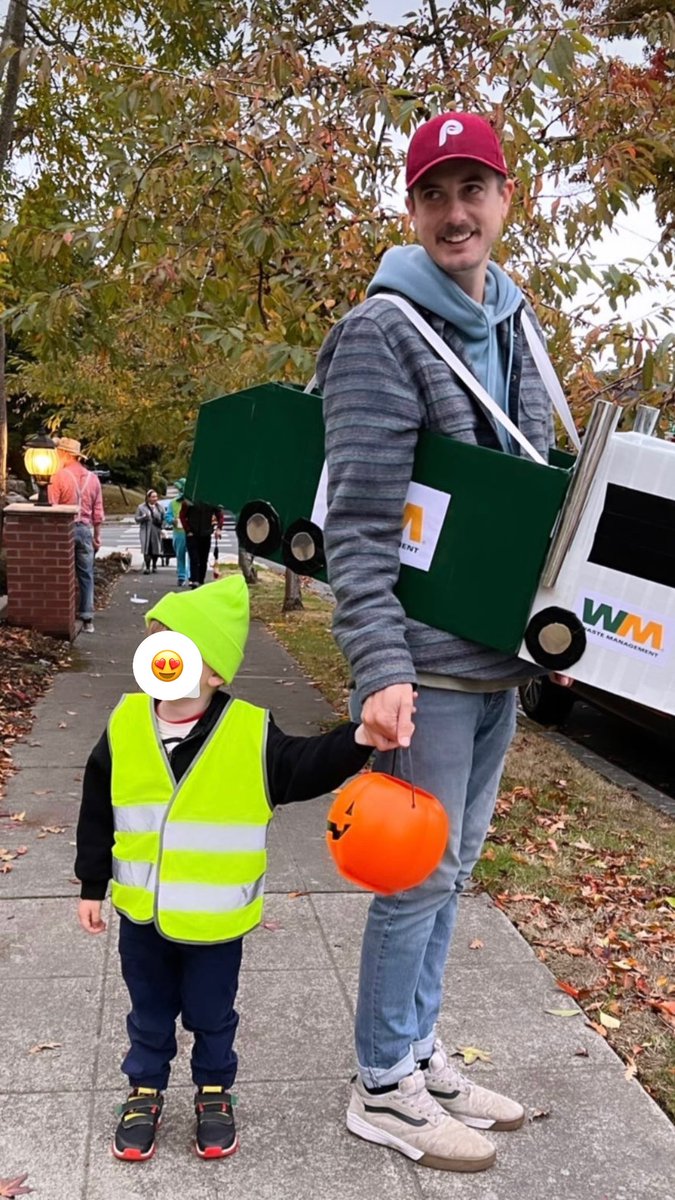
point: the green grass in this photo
(119, 501)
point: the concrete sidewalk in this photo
(602, 1138)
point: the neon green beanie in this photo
(215, 616)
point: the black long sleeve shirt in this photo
(298, 768)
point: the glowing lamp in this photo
(42, 461)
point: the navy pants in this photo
(198, 547)
(166, 980)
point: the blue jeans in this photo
(458, 752)
(84, 569)
(165, 979)
(179, 550)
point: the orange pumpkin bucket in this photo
(384, 834)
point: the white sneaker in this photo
(88, 626)
(410, 1120)
(467, 1101)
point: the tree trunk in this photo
(292, 595)
(247, 567)
(3, 416)
(14, 33)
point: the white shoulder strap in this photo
(550, 380)
(463, 372)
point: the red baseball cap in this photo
(453, 135)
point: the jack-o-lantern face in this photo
(167, 666)
(336, 831)
(385, 836)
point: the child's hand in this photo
(89, 916)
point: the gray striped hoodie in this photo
(381, 384)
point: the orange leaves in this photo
(14, 1187)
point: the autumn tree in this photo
(206, 196)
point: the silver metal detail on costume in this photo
(646, 419)
(604, 420)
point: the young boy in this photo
(177, 797)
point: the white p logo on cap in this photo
(449, 129)
(168, 666)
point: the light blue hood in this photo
(410, 271)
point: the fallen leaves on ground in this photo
(476, 944)
(14, 1187)
(28, 662)
(563, 1012)
(586, 876)
(608, 1021)
(471, 1054)
(40, 1046)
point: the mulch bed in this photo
(28, 663)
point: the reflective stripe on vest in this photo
(190, 856)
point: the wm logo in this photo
(629, 626)
(413, 520)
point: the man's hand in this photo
(561, 680)
(387, 717)
(97, 543)
(89, 916)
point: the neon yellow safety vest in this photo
(190, 856)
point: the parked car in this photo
(549, 704)
(98, 469)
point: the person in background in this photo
(198, 521)
(178, 532)
(74, 484)
(150, 518)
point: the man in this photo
(177, 530)
(74, 484)
(382, 383)
(199, 520)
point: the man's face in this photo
(458, 209)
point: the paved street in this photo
(595, 1136)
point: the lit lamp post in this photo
(42, 461)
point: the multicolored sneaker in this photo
(216, 1135)
(467, 1101)
(140, 1118)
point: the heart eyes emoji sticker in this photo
(167, 666)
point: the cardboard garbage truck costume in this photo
(570, 563)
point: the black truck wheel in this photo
(302, 548)
(258, 528)
(556, 638)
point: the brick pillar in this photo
(41, 582)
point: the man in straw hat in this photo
(74, 484)
(382, 383)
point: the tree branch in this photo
(438, 37)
